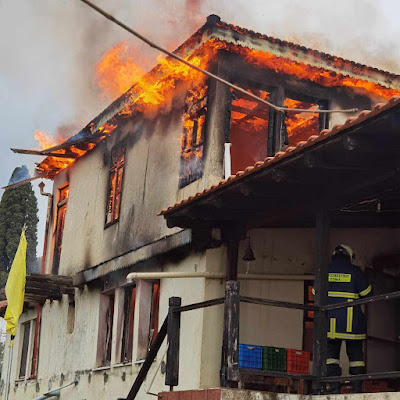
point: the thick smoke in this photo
(50, 48)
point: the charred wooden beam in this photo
(231, 331)
(321, 295)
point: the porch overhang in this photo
(356, 162)
(40, 287)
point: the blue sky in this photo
(49, 49)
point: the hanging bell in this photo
(248, 252)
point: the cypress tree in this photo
(18, 207)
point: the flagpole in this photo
(10, 355)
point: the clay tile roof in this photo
(289, 151)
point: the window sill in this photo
(122, 365)
(106, 367)
(101, 368)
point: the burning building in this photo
(235, 170)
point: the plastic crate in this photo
(376, 386)
(250, 356)
(297, 361)
(274, 359)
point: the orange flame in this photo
(117, 70)
(45, 140)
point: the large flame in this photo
(118, 69)
(154, 92)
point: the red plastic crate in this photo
(297, 361)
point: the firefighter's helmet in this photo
(345, 251)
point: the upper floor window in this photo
(192, 138)
(251, 127)
(299, 127)
(115, 184)
(62, 200)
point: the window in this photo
(63, 193)
(115, 184)
(250, 130)
(192, 139)
(27, 364)
(299, 127)
(129, 316)
(117, 319)
(115, 340)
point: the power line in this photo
(207, 73)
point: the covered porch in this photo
(347, 177)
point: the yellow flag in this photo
(15, 287)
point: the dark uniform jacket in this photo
(346, 283)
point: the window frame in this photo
(203, 111)
(61, 204)
(28, 368)
(323, 104)
(141, 322)
(118, 167)
(273, 129)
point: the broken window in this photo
(299, 127)
(250, 130)
(192, 138)
(117, 319)
(109, 331)
(60, 221)
(27, 366)
(115, 185)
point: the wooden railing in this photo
(230, 372)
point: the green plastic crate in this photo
(274, 359)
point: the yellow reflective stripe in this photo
(366, 291)
(331, 333)
(349, 326)
(351, 336)
(313, 291)
(356, 364)
(346, 295)
(331, 361)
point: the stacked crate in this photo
(250, 356)
(297, 361)
(274, 359)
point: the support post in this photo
(231, 327)
(174, 326)
(321, 297)
(232, 236)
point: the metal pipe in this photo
(8, 381)
(216, 275)
(55, 392)
(227, 161)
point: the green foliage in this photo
(18, 207)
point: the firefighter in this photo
(346, 283)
